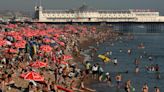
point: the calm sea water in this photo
(154, 45)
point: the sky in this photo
(28, 5)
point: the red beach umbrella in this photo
(17, 37)
(67, 57)
(20, 44)
(63, 62)
(56, 35)
(10, 50)
(32, 76)
(46, 48)
(56, 39)
(38, 64)
(3, 42)
(61, 43)
(46, 40)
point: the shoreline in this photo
(91, 42)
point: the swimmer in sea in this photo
(156, 89)
(118, 80)
(115, 61)
(129, 51)
(128, 86)
(145, 88)
(150, 58)
(120, 50)
(136, 69)
(157, 71)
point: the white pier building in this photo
(84, 14)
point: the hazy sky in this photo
(28, 5)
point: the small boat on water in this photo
(141, 26)
(141, 46)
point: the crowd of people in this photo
(97, 73)
(40, 57)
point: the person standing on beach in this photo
(94, 71)
(101, 71)
(56, 74)
(87, 67)
(108, 79)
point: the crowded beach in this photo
(52, 58)
(46, 57)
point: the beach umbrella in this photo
(12, 33)
(61, 43)
(32, 76)
(46, 48)
(63, 62)
(46, 40)
(10, 50)
(56, 35)
(38, 64)
(67, 57)
(3, 42)
(17, 37)
(42, 33)
(56, 39)
(20, 44)
(11, 26)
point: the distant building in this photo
(85, 14)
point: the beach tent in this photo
(32, 76)
(38, 64)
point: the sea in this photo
(153, 39)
